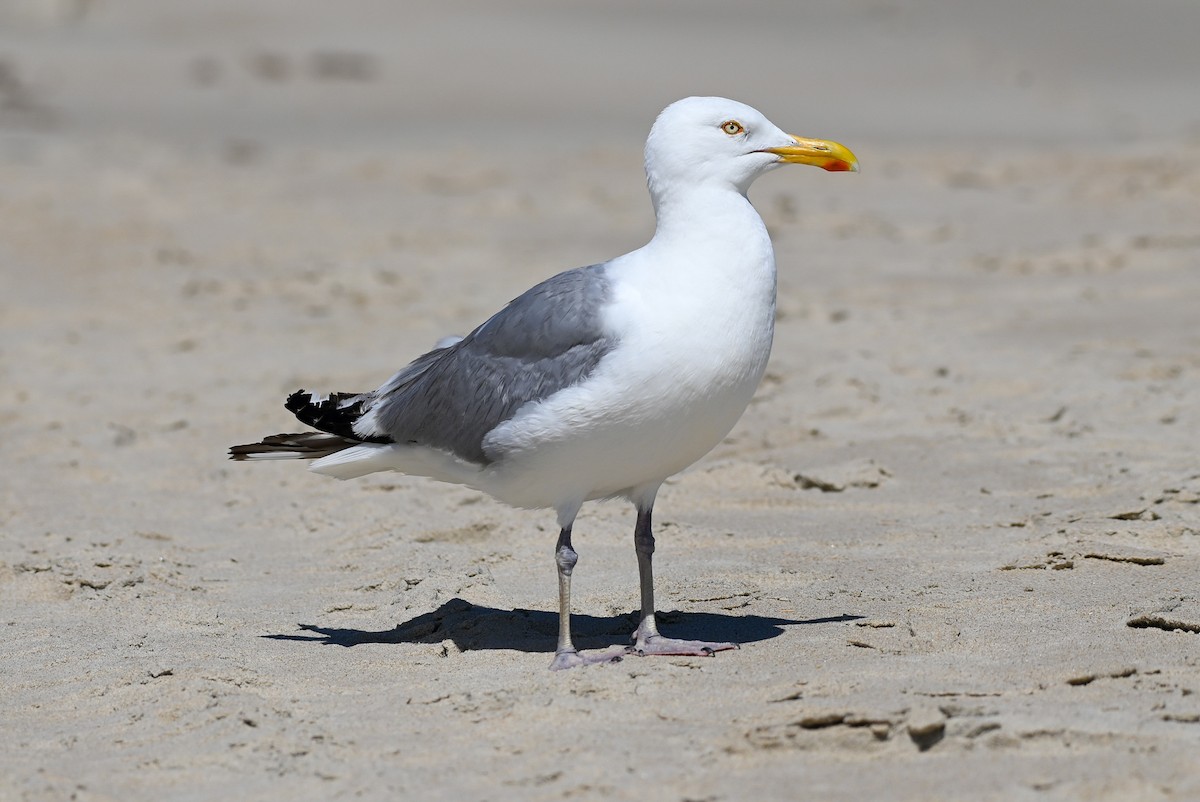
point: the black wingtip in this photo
(300, 445)
(335, 414)
(297, 401)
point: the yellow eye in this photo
(733, 127)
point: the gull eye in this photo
(733, 127)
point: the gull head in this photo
(714, 141)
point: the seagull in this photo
(600, 382)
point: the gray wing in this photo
(545, 340)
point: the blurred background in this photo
(559, 73)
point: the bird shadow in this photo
(473, 626)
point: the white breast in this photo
(694, 322)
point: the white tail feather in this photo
(356, 461)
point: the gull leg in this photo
(566, 655)
(565, 558)
(647, 640)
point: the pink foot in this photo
(573, 658)
(657, 644)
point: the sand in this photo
(957, 532)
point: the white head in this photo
(711, 140)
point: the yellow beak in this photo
(819, 153)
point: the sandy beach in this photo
(957, 532)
